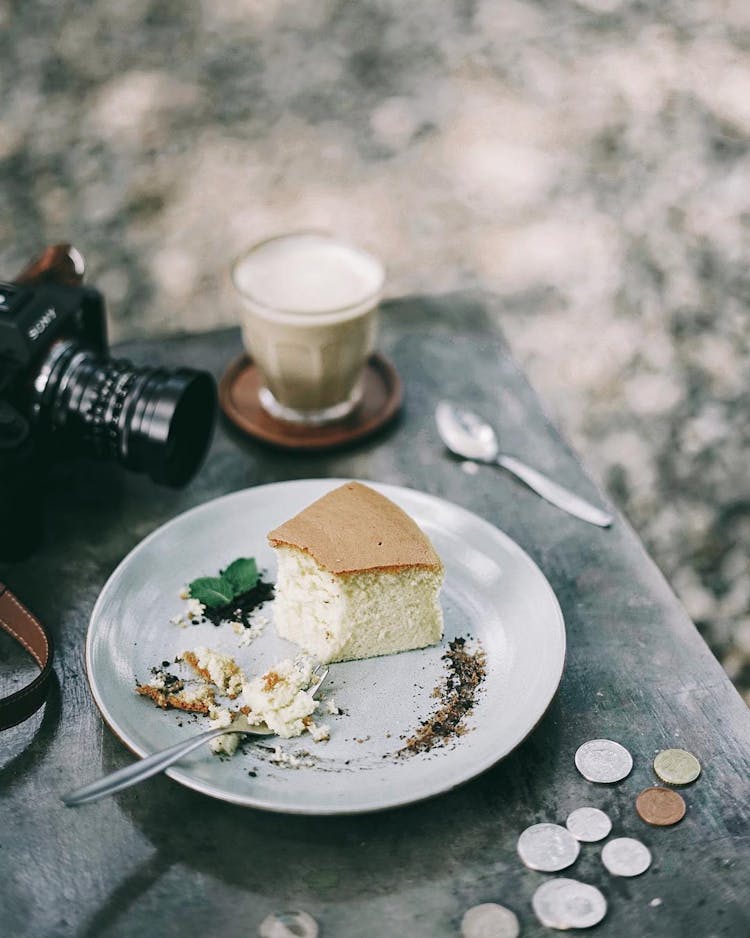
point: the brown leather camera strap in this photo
(18, 622)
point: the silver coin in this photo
(292, 924)
(588, 824)
(489, 920)
(625, 856)
(603, 761)
(566, 903)
(547, 847)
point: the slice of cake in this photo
(356, 578)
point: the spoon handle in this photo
(555, 493)
(144, 768)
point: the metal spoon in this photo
(158, 761)
(467, 435)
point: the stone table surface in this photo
(159, 859)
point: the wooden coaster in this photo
(381, 399)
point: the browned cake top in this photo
(354, 528)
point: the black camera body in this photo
(32, 317)
(61, 395)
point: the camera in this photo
(61, 395)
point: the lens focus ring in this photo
(148, 419)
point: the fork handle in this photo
(144, 768)
(554, 493)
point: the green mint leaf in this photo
(242, 574)
(212, 591)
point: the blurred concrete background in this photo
(586, 161)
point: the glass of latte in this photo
(309, 322)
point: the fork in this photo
(158, 761)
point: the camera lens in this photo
(150, 420)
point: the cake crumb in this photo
(216, 668)
(194, 609)
(191, 700)
(271, 679)
(280, 757)
(282, 698)
(319, 732)
(226, 744)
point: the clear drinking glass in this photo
(309, 322)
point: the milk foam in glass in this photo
(309, 321)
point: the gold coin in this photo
(660, 806)
(677, 766)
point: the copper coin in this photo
(660, 806)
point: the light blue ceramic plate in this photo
(494, 594)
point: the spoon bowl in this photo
(465, 433)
